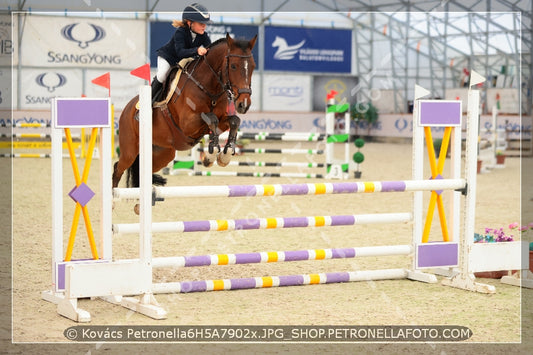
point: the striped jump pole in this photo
(27, 125)
(278, 281)
(279, 256)
(289, 151)
(294, 189)
(264, 223)
(190, 164)
(290, 136)
(257, 174)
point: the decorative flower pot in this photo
(357, 174)
(491, 274)
(500, 159)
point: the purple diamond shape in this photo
(81, 194)
(438, 177)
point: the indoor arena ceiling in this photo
(477, 23)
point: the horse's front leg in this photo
(229, 149)
(213, 148)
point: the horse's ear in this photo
(251, 44)
(229, 39)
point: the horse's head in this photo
(240, 66)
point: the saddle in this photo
(172, 81)
(169, 86)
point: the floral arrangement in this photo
(494, 235)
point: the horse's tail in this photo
(133, 176)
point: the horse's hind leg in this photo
(224, 157)
(125, 161)
(213, 149)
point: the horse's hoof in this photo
(137, 209)
(207, 163)
(223, 159)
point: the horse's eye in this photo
(233, 67)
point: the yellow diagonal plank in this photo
(79, 207)
(436, 170)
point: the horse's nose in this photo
(243, 105)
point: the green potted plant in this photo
(364, 112)
(358, 157)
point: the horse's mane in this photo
(217, 42)
(241, 43)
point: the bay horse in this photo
(197, 106)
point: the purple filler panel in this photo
(440, 113)
(82, 112)
(437, 254)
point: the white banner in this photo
(6, 91)
(6, 44)
(39, 86)
(83, 42)
(287, 93)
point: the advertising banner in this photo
(161, 32)
(282, 122)
(6, 90)
(39, 86)
(308, 49)
(323, 84)
(6, 42)
(83, 42)
(287, 93)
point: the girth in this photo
(179, 140)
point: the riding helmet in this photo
(196, 13)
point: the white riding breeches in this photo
(163, 68)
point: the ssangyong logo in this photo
(83, 34)
(78, 37)
(285, 51)
(51, 81)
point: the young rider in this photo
(189, 40)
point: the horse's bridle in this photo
(226, 87)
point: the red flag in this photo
(103, 80)
(331, 95)
(142, 72)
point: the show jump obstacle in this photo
(330, 168)
(119, 281)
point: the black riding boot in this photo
(157, 89)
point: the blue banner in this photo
(161, 32)
(308, 49)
